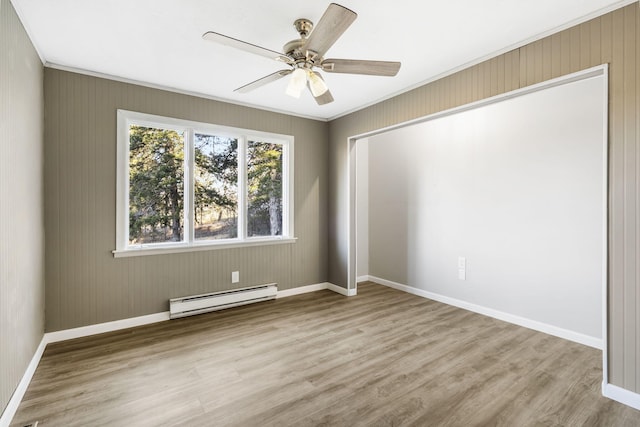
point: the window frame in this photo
(127, 118)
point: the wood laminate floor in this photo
(382, 358)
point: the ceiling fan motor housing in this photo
(294, 49)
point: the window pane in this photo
(264, 189)
(156, 185)
(215, 187)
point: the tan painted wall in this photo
(21, 206)
(614, 39)
(85, 283)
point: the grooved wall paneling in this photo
(613, 38)
(21, 206)
(85, 283)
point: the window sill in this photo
(180, 248)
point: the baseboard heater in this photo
(196, 304)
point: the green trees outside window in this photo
(156, 185)
(160, 192)
(215, 187)
(264, 188)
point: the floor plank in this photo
(382, 358)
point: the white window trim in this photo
(125, 118)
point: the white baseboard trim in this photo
(342, 291)
(18, 394)
(99, 328)
(364, 278)
(302, 290)
(317, 287)
(621, 395)
(496, 314)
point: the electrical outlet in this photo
(462, 268)
(235, 276)
(462, 262)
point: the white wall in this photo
(362, 208)
(516, 187)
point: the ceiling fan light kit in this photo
(316, 84)
(307, 52)
(296, 83)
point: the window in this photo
(186, 186)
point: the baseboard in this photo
(364, 278)
(100, 328)
(342, 291)
(302, 290)
(317, 287)
(496, 314)
(621, 395)
(18, 394)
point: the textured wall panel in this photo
(85, 283)
(613, 38)
(21, 206)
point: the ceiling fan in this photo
(307, 52)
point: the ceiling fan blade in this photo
(356, 66)
(334, 22)
(247, 47)
(325, 97)
(263, 81)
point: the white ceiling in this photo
(158, 42)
